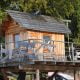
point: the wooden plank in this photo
(59, 48)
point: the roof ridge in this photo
(13, 11)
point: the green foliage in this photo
(2, 15)
(2, 40)
(76, 22)
(60, 8)
(56, 8)
(4, 4)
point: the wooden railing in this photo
(38, 50)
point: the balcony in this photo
(33, 50)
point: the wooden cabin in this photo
(22, 26)
(30, 34)
(39, 39)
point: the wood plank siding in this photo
(13, 28)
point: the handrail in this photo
(68, 50)
(36, 41)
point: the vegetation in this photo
(63, 9)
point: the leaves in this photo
(2, 16)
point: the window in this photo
(16, 39)
(46, 39)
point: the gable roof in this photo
(38, 22)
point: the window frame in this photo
(15, 39)
(46, 50)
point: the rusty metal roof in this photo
(38, 22)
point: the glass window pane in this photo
(17, 38)
(46, 39)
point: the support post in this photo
(37, 74)
(74, 74)
(32, 76)
(73, 52)
(1, 50)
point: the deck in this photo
(36, 52)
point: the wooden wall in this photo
(12, 28)
(59, 48)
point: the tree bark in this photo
(22, 75)
(4, 71)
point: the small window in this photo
(46, 39)
(16, 39)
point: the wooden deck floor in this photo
(43, 66)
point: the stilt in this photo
(74, 74)
(32, 76)
(37, 74)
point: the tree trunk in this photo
(4, 71)
(22, 75)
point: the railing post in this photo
(74, 74)
(69, 51)
(10, 54)
(1, 51)
(73, 51)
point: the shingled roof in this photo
(38, 22)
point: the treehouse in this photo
(36, 42)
